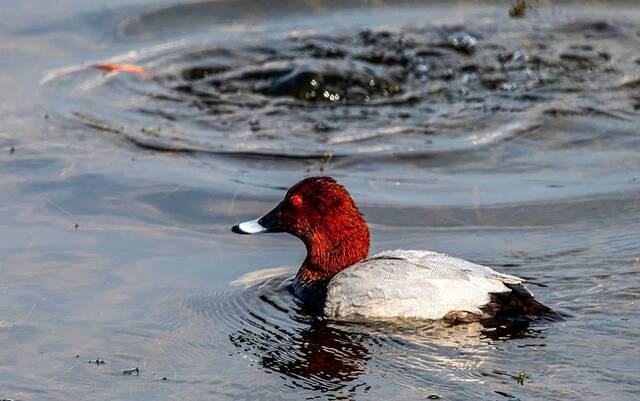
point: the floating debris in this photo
(131, 372)
(518, 9)
(98, 362)
(132, 68)
(326, 159)
(322, 163)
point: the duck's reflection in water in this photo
(305, 349)
(317, 358)
(274, 331)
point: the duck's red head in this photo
(322, 214)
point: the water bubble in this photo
(462, 42)
(422, 69)
(448, 74)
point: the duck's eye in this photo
(296, 200)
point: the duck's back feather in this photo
(417, 284)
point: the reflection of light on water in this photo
(496, 134)
(431, 350)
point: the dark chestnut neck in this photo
(338, 245)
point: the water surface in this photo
(509, 142)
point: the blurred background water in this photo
(511, 142)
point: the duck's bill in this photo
(249, 227)
(269, 223)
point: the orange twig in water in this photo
(132, 68)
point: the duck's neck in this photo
(333, 249)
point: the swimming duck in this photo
(410, 284)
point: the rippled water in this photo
(509, 142)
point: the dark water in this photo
(509, 142)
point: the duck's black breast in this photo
(312, 295)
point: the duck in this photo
(345, 283)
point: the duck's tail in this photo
(518, 305)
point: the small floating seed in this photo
(326, 159)
(518, 9)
